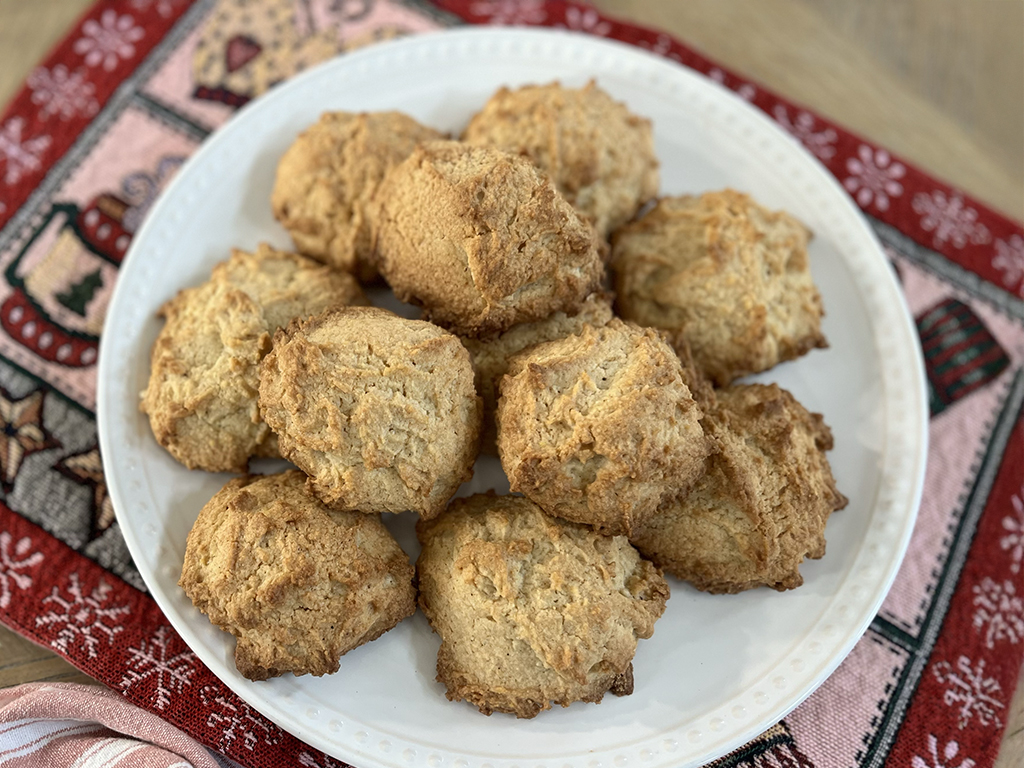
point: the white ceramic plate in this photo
(719, 669)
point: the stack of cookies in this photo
(628, 445)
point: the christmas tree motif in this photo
(62, 276)
(77, 297)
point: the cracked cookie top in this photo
(599, 427)
(381, 412)
(482, 240)
(532, 609)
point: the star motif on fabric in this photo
(21, 433)
(86, 468)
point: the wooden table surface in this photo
(939, 82)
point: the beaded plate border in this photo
(693, 741)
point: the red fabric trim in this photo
(41, 575)
(85, 52)
(38, 572)
(981, 640)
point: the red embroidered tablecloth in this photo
(104, 122)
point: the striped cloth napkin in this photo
(60, 725)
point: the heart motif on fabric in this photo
(240, 51)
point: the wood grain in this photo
(25, 662)
(940, 82)
(28, 30)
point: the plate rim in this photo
(214, 143)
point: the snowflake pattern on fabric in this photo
(1000, 612)
(234, 720)
(745, 90)
(109, 40)
(938, 752)
(84, 619)
(802, 127)
(61, 92)
(154, 664)
(968, 687)
(510, 12)
(163, 7)
(12, 563)
(950, 219)
(661, 46)
(1009, 260)
(1014, 540)
(874, 177)
(20, 155)
(307, 760)
(585, 20)
(949, 754)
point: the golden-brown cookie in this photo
(730, 275)
(599, 154)
(380, 411)
(599, 427)
(532, 610)
(201, 396)
(491, 353)
(762, 505)
(481, 240)
(297, 584)
(326, 180)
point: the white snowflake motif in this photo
(819, 142)
(108, 41)
(307, 760)
(63, 93)
(661, 46)
(1000, 612)
(875, 177)
(234, 719)
(152, 661)
(163, 7)
(950, 219)
(1009, 260)
(949, 753)
(12, 563)
(586, 20)
(21, 155)
(744, 91)
(1014, 540)
(509, 12)
(969, 687)
(85, 618)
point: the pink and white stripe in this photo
(60, 725)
